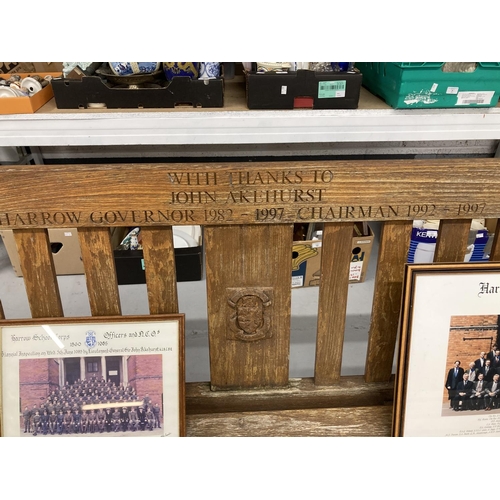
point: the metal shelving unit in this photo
(372, 122)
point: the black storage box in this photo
(303, 89)
(130, 265)
(93, 92)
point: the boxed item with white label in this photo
(306, 256)
(424, 237)
(303, 88)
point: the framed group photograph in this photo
(448, 376)
(93, 377)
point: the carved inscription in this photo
(238, 215)
(249, 317)
(248, 195)
(97, 218)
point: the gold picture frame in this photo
(450, 319)
(127, 366)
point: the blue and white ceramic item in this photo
(134, 68)
(134, 242)
(172, 69)
(209, 70)
(131, 241)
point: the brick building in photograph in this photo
(39, 377)
(469, 336)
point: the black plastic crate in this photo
(93, 92)
(303, 89)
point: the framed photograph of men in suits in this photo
(448, 376)
(93, 377)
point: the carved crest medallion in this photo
(250, 314)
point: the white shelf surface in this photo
(373, 121)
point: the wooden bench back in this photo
(248, 211)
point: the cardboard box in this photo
(303, 89)
(31, 67)
(65, 251)
(130, 267)
(25, 105)
(93, 92)
(16, 67)
(306, 258)
(423, 244)
(54, 67)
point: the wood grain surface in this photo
(334, 285)
(261, 193)
(451, 244)
(37, 266)
(100, 272)
(393, 249)
(372, 421)
(159, 260)
(241, 259)
(298, 394)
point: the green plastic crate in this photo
(426, 85)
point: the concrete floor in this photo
(193, 303)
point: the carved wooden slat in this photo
(100, 272)
(159, 259)
(37, 265)
(225, 193)
(393, 249)
(334, 286)
(326, 422)
(249, 272)
(451, 243)
(495, 249)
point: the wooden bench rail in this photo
(160, 272)
(39, 273)
(100, 273)
(248, 212)
(334, 279)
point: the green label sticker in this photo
(331, 89)
(142, 264)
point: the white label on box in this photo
(485, 97)
(452, 90)
(333, 89)
(68, 233)
(297, 281)
(355, 269)
(316, 244)
(434, 87)
(283, 89)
